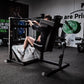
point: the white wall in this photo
(51, 7)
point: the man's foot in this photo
(21, 52)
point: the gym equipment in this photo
(16, 38)
(21, 30)
(41, 49)
(60, 63)
(57, 19)
(18, 30)
(71, 27)
(13, 41)
(80, 46)
(30, 53)
(48, 48)
(46, 22)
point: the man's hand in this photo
(30, 22)
(36, 22)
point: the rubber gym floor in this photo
(11, 73)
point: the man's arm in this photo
(37, 27)
(36, 23)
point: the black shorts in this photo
(38, 45)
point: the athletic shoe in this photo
(22, 53)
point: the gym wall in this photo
(60, 7)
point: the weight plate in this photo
(71, 27)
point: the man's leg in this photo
(28, 40)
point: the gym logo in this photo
(78, 14)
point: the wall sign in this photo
(78, 14)
(75, 16)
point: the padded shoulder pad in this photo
(47, 22)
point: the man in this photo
(44, 29)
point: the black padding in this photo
(50, 40)
(53, 35)
(47, 22)
(38, 46)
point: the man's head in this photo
(48, 17)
